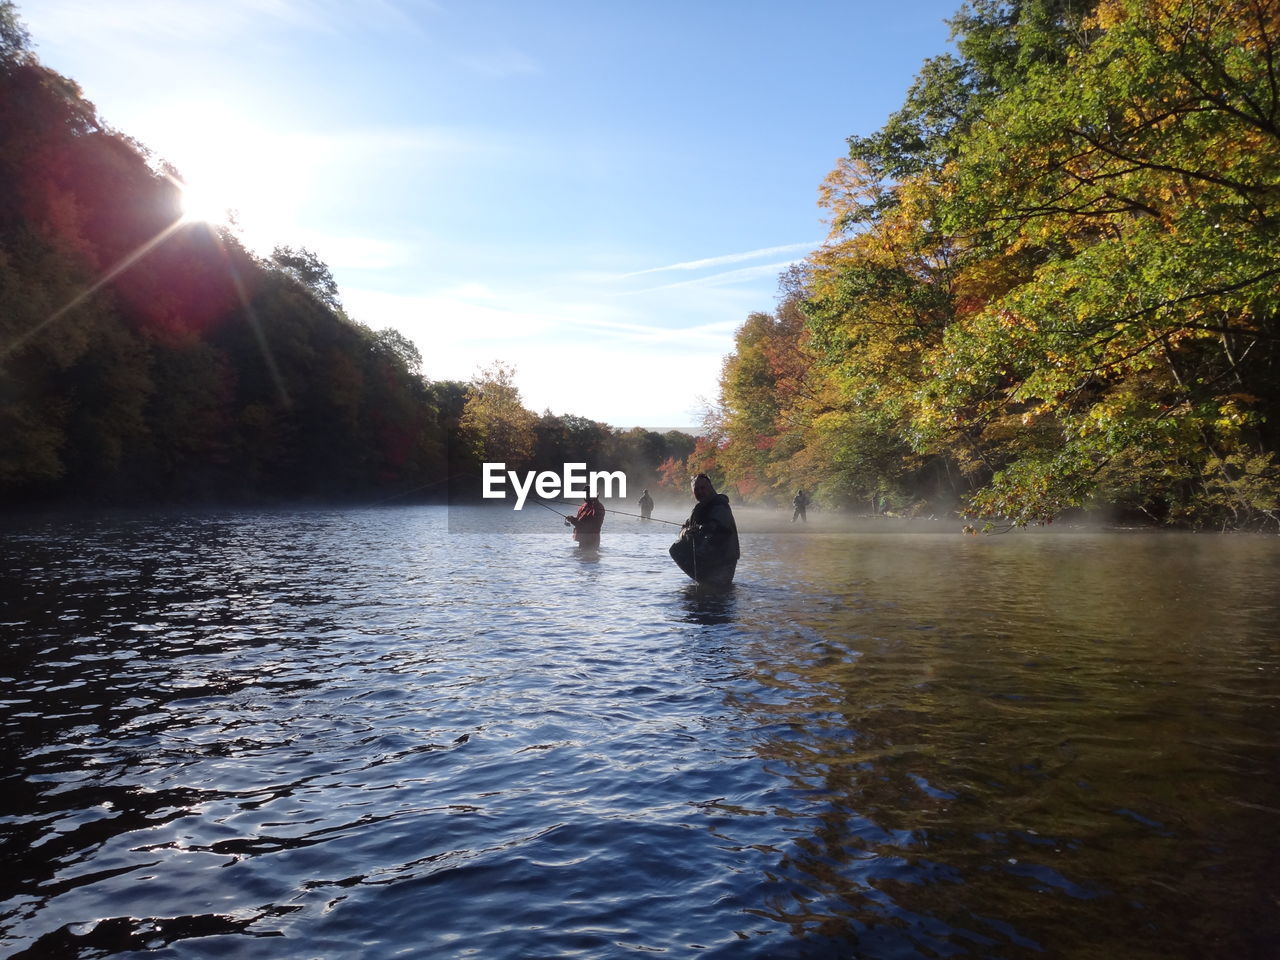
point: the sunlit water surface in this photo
(367, 733)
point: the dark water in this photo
(357, 734)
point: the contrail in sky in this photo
(719, 279)
(727, 258)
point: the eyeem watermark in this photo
(573, 482)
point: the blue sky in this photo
(598, 193)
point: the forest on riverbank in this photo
(1051, 282)
(146, 358)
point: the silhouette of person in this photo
(708, 546)
(800, 501)
(646, 506)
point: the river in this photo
(384, 731)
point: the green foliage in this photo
(1135, 171)
(497, 425)
(309, 271)
(1051, 281)
(915, 139)
(400, 349)
(1244, 487)
(15, 41)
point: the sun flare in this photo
(234, 173)
(202, 205)
(257, 204)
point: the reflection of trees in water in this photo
(854, 802)
(984, 787)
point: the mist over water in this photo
(363, 732)
(536, 516)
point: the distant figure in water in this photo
(708, 546)
(587, 523)
(800, 501)
(646, 506)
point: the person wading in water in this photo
(587, 523)
(800, 501)
(708, 546)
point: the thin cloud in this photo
(471, 313)
(724, 279)
(704, 334)
(726, 259)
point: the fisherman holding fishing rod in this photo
(708, 546)
(587, 523)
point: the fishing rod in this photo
(621, 513)
(536, 499)
(540, 503)
(422, 486)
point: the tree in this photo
(399, 347)
(496, 425)
(1133, 177)
(308, 270)
(15, 41)
(147, 360)
(1050, 278)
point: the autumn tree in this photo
(497, 426)
(1125, 192)
(1050, 280)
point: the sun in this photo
(204, 205)
(258, 203)
(237, 176)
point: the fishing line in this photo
(556, 512)
(423, 486)
(621, 513)
(536, 499)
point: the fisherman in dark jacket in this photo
(708, 546)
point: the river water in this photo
(371, 733)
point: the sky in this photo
(596, 193)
